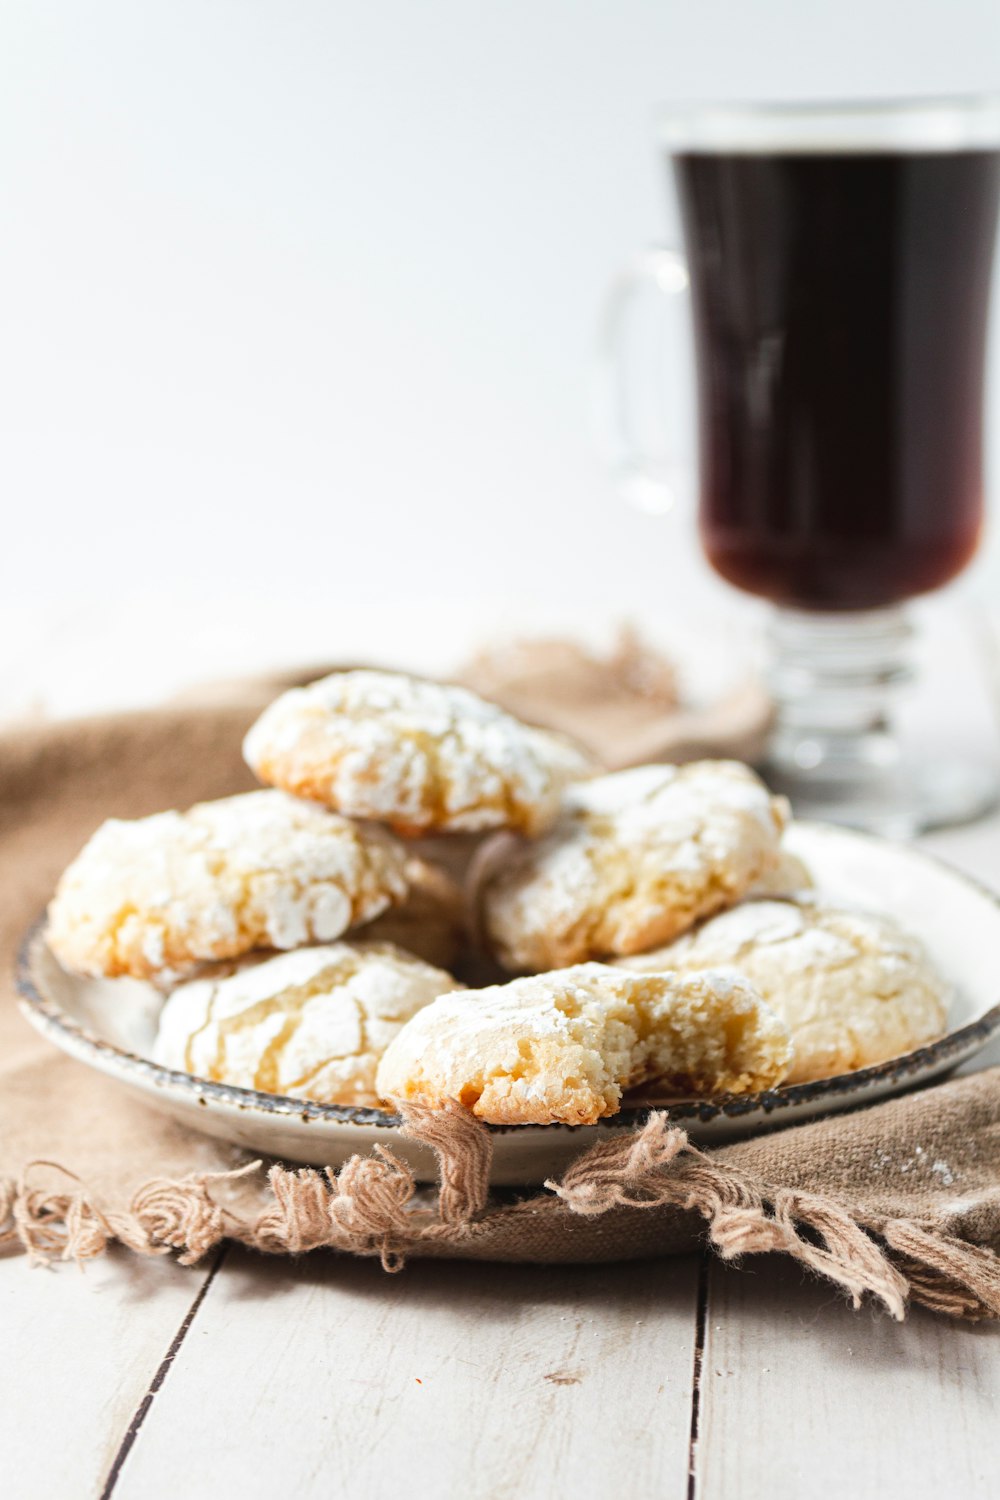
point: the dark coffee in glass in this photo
(838, 259)
(840, 302)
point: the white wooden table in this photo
(254, 1378)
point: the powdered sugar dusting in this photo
(415, 754)
(563, 1046)
(635, 858)
(311, 1024)
(852, 986)
(258, 870)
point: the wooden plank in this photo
(81, 1350)
(801, 1395)
(328, 1377)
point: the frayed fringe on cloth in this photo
(372, 1207)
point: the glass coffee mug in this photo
(838, 261)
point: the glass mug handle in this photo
(644, 405)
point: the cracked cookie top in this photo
(155, 897)
(417, 755)
(852, 987)
(635, 858)
(311, 1024)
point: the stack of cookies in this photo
(640, 930)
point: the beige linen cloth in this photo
(900, 1201)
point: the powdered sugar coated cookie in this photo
(416, 755)
(159, 895)
(852, 987)
(636, 858)
(562, 1047)
(311, 1024)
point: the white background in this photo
(297, 305)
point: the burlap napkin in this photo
(900, 1201)
(623, 705)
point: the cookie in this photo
(160, 895)
(562, 1047)
(420, 756)
(311, 1024)
(852, 988)
(787, 878)
(430, 923)
(635, 859)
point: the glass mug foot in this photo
(833, 751)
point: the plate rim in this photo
(48, 1016)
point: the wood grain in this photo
(328, 1377)
(800, 1396)
(80, 1349)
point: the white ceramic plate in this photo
(110, 1025)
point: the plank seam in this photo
(142, 1410)
(701, 1325)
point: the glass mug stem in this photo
(834, 680)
